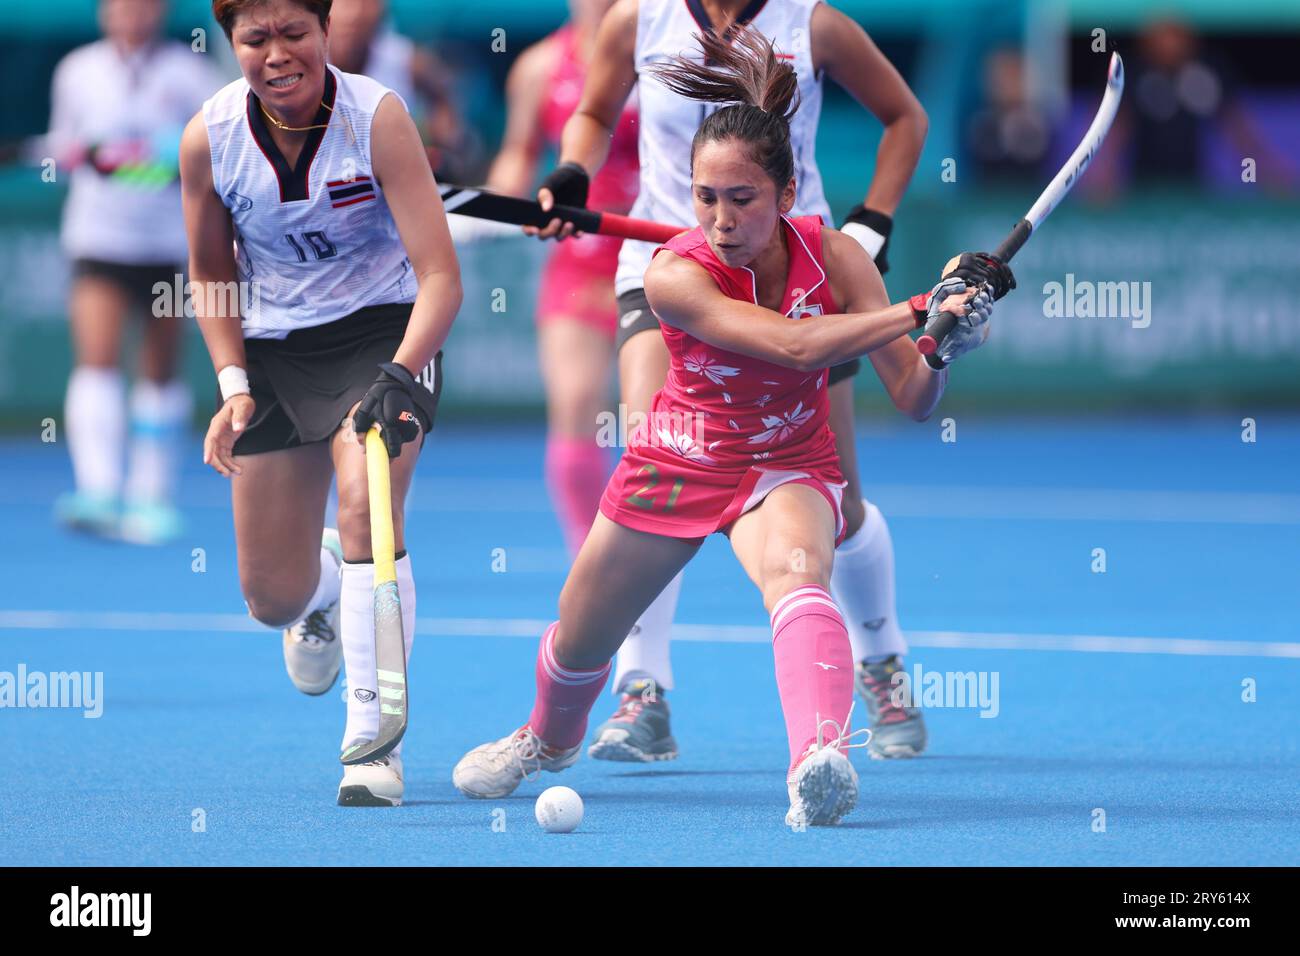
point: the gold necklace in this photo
(295, 129)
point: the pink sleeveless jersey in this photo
(726, 428)
(614, 186)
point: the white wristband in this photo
(865, 236)
(233, 381)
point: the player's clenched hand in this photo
(972, 307)
(567, 185)
(390, 401)
(982, 268)
(227, 425)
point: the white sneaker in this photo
(495, 769)
(374, 784)
(824, 786)
(313, 652)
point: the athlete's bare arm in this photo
(842, 48)
(514, 168)
(611, 75)
(610, 78)
(685, 296)
(857, 287)
(402, 169)
(211, 237)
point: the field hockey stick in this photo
(481, 204)
(1056, 190)
(390, 645)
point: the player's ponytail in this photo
(763, 91)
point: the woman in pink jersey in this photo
(755, 307)
(576, 313)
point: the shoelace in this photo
(317, 627)
(890, 712)
(630, 709)
(526, 746)
(841, 740)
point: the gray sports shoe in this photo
(896, 731)
(638, 732)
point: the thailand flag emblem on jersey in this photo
(349, 192)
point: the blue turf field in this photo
(994, 536)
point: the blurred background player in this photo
(363, 40)
(576, 311)
(756, 305)
(119, 106)
(816, 40)
(1179, 95)
(312, 188)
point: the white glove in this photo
(972, 326)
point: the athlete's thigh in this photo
(791, 535)
(642, 369)
(279, 506)
(354, 490)
(616, 575)
(98, 309)
(576, 359)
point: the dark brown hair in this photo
(763, 91)
(225, 11)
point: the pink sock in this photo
(564, 697)
(814, 666)
(576, 472)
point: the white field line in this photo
(727, 634)
(988, 502)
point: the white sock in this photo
(160, 415)
(862, 583)
(94, 417)
(646, 652)
(357, 624)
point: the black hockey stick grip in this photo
(928, 344)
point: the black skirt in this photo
(305, 384)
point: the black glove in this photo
(391, 403)
(878, 223)
(979, 268)
(568, 183)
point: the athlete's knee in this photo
(786, 569)
(354, 520)
(275, 610)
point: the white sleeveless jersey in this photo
(666, 28)
(100, 96)
(316, 242)
(389, 63)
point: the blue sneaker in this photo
(638, 732)
(896, 731)
(150, 522)
(85, 511)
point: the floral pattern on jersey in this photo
(702, 364)
(684, 445)
(777, 428)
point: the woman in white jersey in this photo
(119, 105)
(816, 40)
(310, 188)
